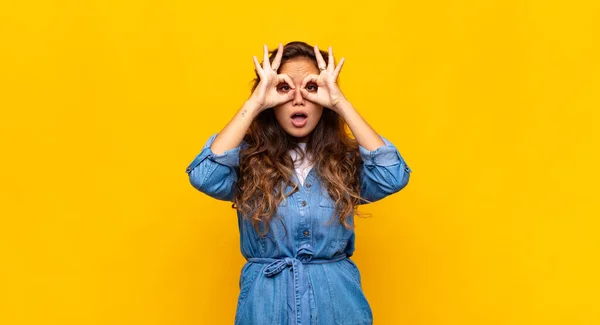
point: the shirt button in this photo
(303, 203)
(305, 233)
(307, 185)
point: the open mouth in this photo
(299, 119)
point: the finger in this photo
(285, 78)
(266, 63)
(309, 78)
(290, 95)
(330, 63)
(310, 96)
(338, 68)
(284, 98)
(320, 61)
(277, 59)
(259, 70)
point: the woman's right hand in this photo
(271, 90)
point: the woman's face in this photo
(298, 126)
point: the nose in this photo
(298, 99)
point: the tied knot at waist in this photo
(304, 255)
(298, 284)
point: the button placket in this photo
(303, 207)
(304, 221)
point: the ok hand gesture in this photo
(328, 93)
(266, 94)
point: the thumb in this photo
(290, 94)
(310, 96)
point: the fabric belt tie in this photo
(304, 255)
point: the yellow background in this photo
(493, 104)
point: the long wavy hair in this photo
(266, 168)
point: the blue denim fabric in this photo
(305, 276)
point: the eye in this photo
(311, 87)
(283, 87)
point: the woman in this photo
(296, 178)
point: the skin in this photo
(328, 95)
(298, 69)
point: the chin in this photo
(299, 133)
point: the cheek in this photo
(318, 112)
(280, 114)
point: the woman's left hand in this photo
(328, 93)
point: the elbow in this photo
(196, 179)
(219, 187)
(402, 181)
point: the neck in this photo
(303, 139)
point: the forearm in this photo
(363, 132)
(233, 133)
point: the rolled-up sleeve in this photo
(215, 174)
(384, 172)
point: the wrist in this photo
(342, 106)
(252, 107)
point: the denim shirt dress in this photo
(303, 276)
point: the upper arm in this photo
(384, 172)
(215, 175)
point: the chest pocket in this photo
(284, 203)
(326, 201)
(290, 196)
